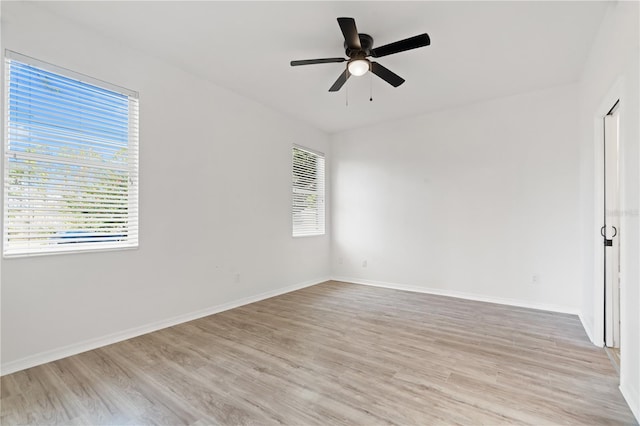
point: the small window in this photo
(70, 161)
(308, 192)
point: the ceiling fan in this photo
(359, 47)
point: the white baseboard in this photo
(633, 399)
(87, 345)
(587, 329)
(463, 295)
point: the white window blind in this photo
(308, 192)
(70, 161)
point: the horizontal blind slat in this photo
(34, 100)
(96, 104)
(57, 134)
(22, 70)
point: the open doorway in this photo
(610, 232)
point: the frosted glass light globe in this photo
(359, 67)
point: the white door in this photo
(611, 229)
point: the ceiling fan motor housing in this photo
(366, 42)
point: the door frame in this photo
(615, 94)
(612, 218)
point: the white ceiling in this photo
(479, 50)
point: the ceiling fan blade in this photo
(387, 75)
(401, 46)
(350, 33)
(316, 61)
(342, 79)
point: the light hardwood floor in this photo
(334, 353)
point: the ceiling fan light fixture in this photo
(358, 47)
(358, 67)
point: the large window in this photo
(308, 192)
(70, 161)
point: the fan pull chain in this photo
(346, 90)
(370, 87)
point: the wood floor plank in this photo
(334, 353)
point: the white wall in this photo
(612, 72)
(214, 202)
(472, 202)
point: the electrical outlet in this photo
(535, 279)
(364, 263)
(340, 261)
(236, 278)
